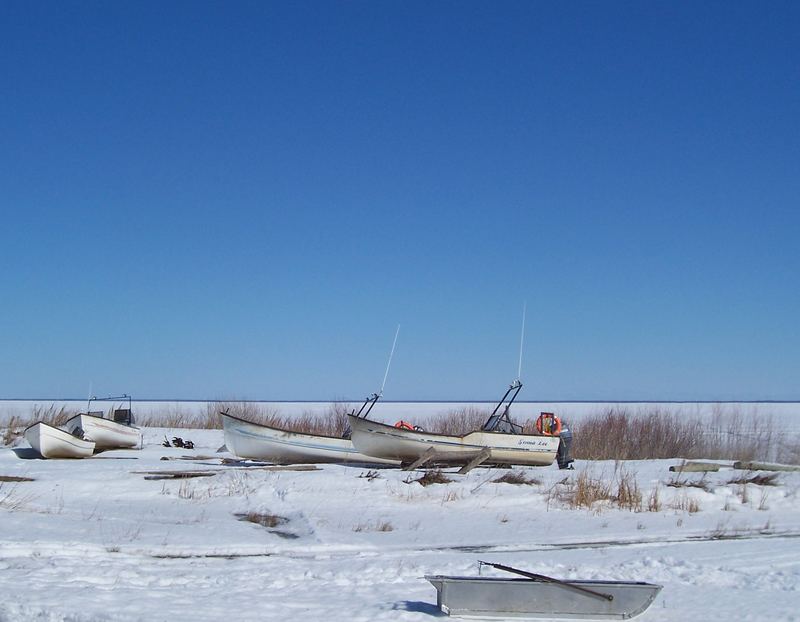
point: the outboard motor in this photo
(565, 440)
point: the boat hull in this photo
(385, 441)
(105, 433)
(53, 442)
(246, 439)
(484, 597)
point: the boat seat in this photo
(122, 415)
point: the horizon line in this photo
(424, 401)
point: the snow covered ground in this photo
(94, 540)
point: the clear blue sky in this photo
(243, 200)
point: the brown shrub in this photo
(431, 477)
(517, 477)
(619, 434)
(458, 422)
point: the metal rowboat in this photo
(540, 596)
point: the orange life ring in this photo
(548, 424)
(404, 425)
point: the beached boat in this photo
(117, 432)
(539, 596)
(500, 441)
(392, 443)
(52, 442)
(255, 441)
(106, 433)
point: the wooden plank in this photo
(286, 467)
(264, 466)
(180, 474)
(15, 478)
(764, 466)
(696, 467)
(426, 457)
(482, 457)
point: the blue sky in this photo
(243, 200)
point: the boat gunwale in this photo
(406, 431)
(280, 429)
(582, 582)
(105, 419)
(63, 436)
(52, 427)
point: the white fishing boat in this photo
(500, 441)
(52, 442)
(540, 596)
(255, 441)
(116, 432)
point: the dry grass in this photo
(332, 422)
(459, 422)
(518, 478)
(52, 415)
(628, 496)
(586, 490)
(10, 499)
(265, 519)
(431, 477)
(596, 492)
(685, 503)
(620, 434)
(378, 525)
(654, 501)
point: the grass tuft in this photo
(518, 478)
(378, 525)
(431, 477)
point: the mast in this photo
(372, 399)
(503, 420)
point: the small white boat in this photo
(52, 442)
(106, 434)
(254, 441)
(540, 596)
(117, 432)
(499, 441)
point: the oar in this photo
(545, 578)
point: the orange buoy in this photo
(548, 424)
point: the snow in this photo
(94, 540)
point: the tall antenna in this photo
(391, 354)
(522, 339)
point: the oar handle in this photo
(542, 577)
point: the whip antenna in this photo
(391, 354)
(522, 339)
